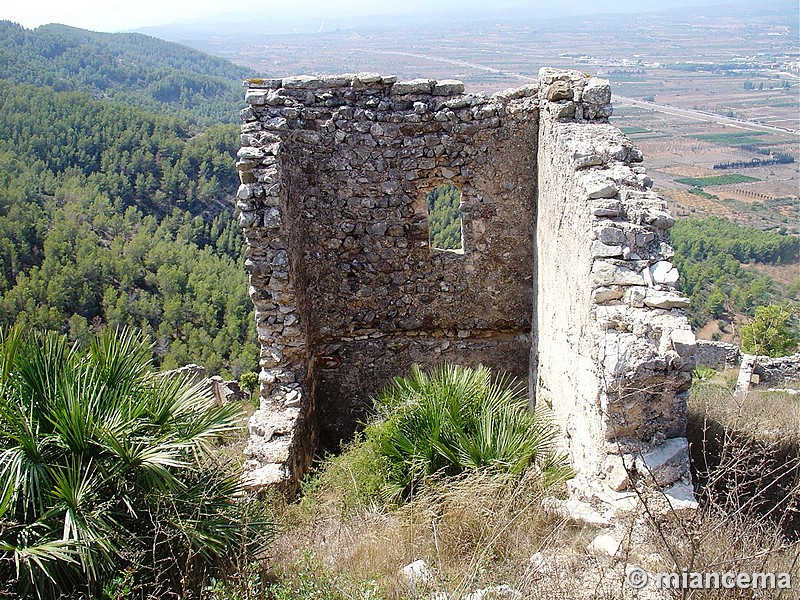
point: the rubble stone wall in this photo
(718, 355)
(778, 371)
(614, 352)
(564, 279)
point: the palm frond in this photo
(453, 418)
(103, 463)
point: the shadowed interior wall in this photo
(335, 172)
(373, 295)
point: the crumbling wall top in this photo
(330, 90)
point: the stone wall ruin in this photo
(564, 280)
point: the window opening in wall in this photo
(444, 218)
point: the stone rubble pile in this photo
(778, 371)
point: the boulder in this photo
(617, 477)
(574, 510)
(494, 593)
(597, 91)
(416, 573)
(680, 497)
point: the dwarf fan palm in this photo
(454, 418)
(103, 463)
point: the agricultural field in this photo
(691, 91)
(716, 180)
(680, 154)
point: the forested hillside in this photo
(112, 214)
(138, 157)
(444, 217)
(136, 69)
(710, 254)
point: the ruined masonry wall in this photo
(778, 371)
(347, 291)
(613, 352)
(564, 280)
(718, 355)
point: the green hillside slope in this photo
(128, 67)
(712, 255)
(115, 202)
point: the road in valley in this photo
(700, 115)
(458, 63)
(697, 115)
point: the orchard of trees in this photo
(702, 238)
(776, 159)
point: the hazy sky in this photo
(109, 15)
(120, 15)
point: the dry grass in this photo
(231, 451)
(482, 530)
(761, 414)
(746, 461)
(474, 531)
(746, 455)
(469, 546)
(712, 542)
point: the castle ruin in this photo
(564, 279)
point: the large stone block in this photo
(665, 463)
(413, 86)
(607, 274)
(448, 87)
(597, 91)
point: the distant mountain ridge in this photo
(132, 68)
